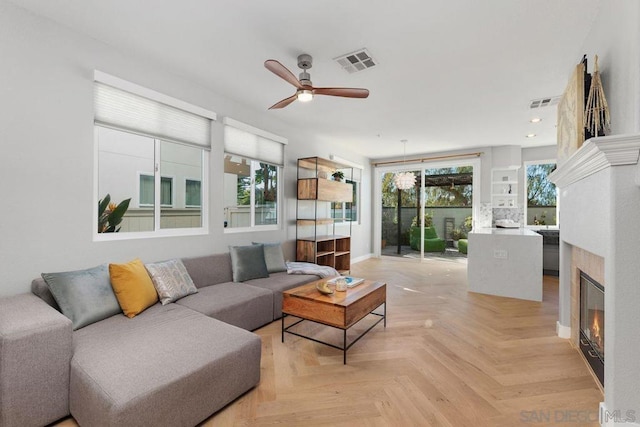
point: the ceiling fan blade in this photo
(283, 103)
(346, 92)
(281, 71)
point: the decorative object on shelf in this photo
(404, 180)
(324, 288)
(349, 281)
(596, 112)
(338, 176)
(504, 187)
(110, 215)
(341, 284)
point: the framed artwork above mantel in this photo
(571, 132)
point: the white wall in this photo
(46, 123)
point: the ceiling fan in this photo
(304, 89)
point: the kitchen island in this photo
(505, 262)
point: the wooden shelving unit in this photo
(323, 236)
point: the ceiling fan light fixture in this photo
(304, 95)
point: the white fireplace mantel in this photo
(595, 155)
(599, 211)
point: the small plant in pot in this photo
(338, 176)
(456, 235)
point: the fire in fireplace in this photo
(592, 324)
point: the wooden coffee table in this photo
(340, 310)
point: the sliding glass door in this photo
(432, 215)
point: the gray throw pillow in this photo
(171, 280)
(247, 262)
(273, 257)
(84, 296)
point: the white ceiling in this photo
(452, 73)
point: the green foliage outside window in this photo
(540, 191)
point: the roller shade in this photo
(246, 141)
(131, 112)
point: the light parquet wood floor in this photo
(447, 358)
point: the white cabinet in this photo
(505, 262)
(504, 188)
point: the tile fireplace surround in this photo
(599, 187)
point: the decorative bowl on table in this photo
(324, 288)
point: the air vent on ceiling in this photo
(356, 61)
(544, 102)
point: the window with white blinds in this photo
(151, 150)
(152, 115)
(247, 141)
(252, 164)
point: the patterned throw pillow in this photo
(171, 280)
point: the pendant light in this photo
(404, 180)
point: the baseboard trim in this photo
(563, 331)
(361, 258)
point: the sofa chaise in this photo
(171, 365)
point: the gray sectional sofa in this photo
(171, 365)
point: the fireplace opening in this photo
(592, 324)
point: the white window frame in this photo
(257, 146)
(205, 150)
(526, 195)
(255, 164)
(157, 232)
(379, 172)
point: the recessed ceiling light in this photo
(531, 135)
(536, 120)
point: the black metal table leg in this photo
(384, 313)
(381, 317)
(344, 346)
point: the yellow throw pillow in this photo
(133, 287)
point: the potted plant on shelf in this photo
(338, 176)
